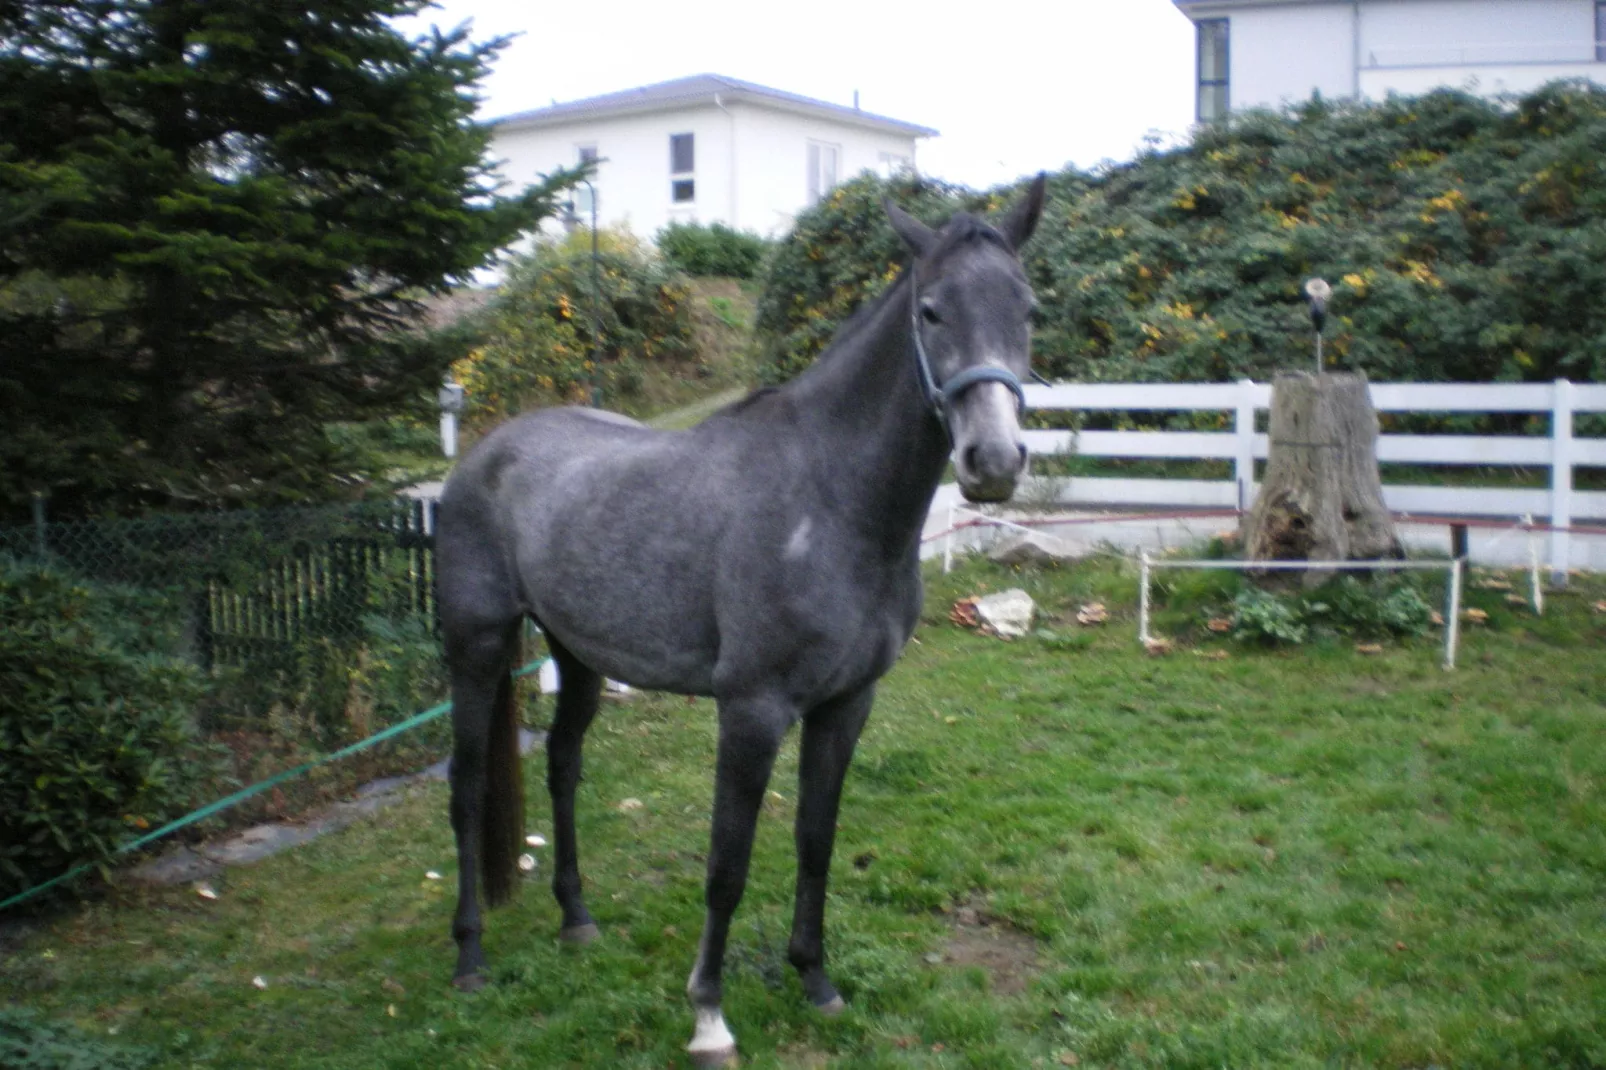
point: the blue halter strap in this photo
(941, 396)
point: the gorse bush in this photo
(711, 250)
(841, 253)
(1465, 240)
(538, 336)
(95, 723)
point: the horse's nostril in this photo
(1022, 448)
(968, 458)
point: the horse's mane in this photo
(962, 229)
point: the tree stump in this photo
(1321, 499)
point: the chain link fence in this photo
(324, 616)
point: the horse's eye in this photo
(929, 314)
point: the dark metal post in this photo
(596, 320)
(40, 547)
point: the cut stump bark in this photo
(1321, 499)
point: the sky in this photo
(1013, 87)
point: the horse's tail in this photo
(502, 827)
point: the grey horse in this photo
(768, 557)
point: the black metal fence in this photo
(251, 587)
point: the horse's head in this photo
(971, 308)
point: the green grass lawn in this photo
(1056, 851)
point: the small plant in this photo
(1370, 610)
(724, 310)
(1343, 606)
(712, 250)
(1262, 616)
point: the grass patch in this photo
(1052, 847)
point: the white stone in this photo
(1008, 613)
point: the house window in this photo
(1213, 69)
(1600, 31)
(682, 168)
(822, 169)
(893, 164)
(583, 195)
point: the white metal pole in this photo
(1536, 588)
(1451, 624)
(449, 433)
(948, 543)
(1143, 597)
(1561, 479)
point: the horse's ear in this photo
(1018, 224)
(915, 234)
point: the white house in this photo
(704, 149)
(1267, 52)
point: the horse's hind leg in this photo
(479, 658)
(830, 733)
(579, 689)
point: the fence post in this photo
(1243, 465)
(1561, 479)
(40, 545)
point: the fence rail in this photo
(1560, 451)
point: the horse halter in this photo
(941, 396)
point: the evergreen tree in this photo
(217, 220)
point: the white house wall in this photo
(1451, 32)
(773, 162)
(760, 188)
(1282, 53)
(633, 180)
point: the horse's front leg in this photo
(750, 733)
(830, 733)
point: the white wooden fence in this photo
(1560, 452)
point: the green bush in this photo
(95, 723)
(712, 250)
(538, 331)
(1465, 240)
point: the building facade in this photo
(1266, 53)
(703, 149)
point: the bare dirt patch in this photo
(1008, 956)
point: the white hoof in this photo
(712, 1044)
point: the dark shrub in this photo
(95, 723)
(712, 249)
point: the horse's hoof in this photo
(715, 1057)
(579, 934)
(469, 982)
(832, 1007)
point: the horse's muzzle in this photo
(989, 470)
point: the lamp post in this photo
(596, 288)
(450, 398)
(1318, 292)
